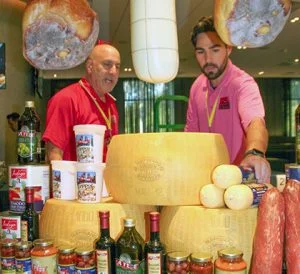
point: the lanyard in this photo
(107, 119)
(210, 116)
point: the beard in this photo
(211, 75)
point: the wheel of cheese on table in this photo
(195, 229)
(77, 224)
(252, 23)
(162, 168)
(154, 43)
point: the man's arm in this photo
(53, 152)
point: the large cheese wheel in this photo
(194, 229)
(254, 23)
(162, 168)
(74, 223)
(58, 34)
(154, 43)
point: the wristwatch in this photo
(255, 152)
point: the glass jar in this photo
(230, 260)
(201, 263)
(178, 262)
(85, 260)
(8, 265)
(66, 259)
(43, 256)
(23, 257)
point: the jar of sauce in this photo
(66, 260)
(178, 262)
(201, 263)
(85, 261)
(8, 265)
(43, 257)
(230, 260)
(23, 257)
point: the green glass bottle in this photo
(29, 218)
(105, 247)
(29, 136)
(155, 251)
(130, 250)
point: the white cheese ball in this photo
(224, 176)
(212, 196)
(238, 197)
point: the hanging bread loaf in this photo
(58, 34)
(252, 23)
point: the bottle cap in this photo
(83, 251)
(29, 104)
(230, 253)
(23, 244)
(42, 242)
(201, 257)
(66, 249)
(129, 222)
(104, 214)
(178, 256)
(154, 216)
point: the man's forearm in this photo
(257, 136)
(53, 152)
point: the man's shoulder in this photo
(68, 91)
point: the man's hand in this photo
(53, 152)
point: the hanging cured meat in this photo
(58, 34)
(254, 23)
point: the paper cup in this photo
(89, 143)
(89, 182)
(64, 180)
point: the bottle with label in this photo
(129, 250)
(105, 247)
(155, 251)
(29, 136)
(297, 125)
(29, 218)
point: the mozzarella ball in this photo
(238, 197)
(212, 196)
(224, 176)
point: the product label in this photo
(154, 263)
(66, 269)
(23, 266)
(103, 262)
(17, 184)
(45, 265)
(27, 142)
(125, 265)
(56, 184)
(258, 191)
(24, 230)
(8, 265)
(10, 227)
(86, 182)
(85, 270)
(219, 271)
(85, 148)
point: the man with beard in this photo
(224, 99)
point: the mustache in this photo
(210, 65)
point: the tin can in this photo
(23, 257)
(85, 261)
(178, 262)
(66, 260)
(294, 172)
(201, 263)
(43, 257)
(287, 169)
(8, 264)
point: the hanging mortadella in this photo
(154, 43)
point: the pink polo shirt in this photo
(238, 103)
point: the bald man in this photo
(85, 102)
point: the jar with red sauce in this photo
(43, 256)
(201, 263)
(230, 260)
(178, 262)
(66, 260)
(23, 256)
(8, 264)
(85, 261)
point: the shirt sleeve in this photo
(250, 104)
(60, 118)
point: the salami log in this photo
(292, 226)
(269, 234)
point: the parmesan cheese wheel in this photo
(238, 197)
(196, 229)
(162, 168)
(74, 223)
(154, 43)
(224, 176)
(212, 196)
(252, 23)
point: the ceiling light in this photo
(125, 69)
(294, 20)
(239, 47)
(244, 47)
(296, 60)
(261, 73)
(129, 69)
(55, 75)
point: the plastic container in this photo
(64, 180)
(178, 262)
(89, 143)
(90, 182)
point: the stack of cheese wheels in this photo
(76, 224)
(162, 168)
(195, 229)
(252, 23)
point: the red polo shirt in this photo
(73, 106)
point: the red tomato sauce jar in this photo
(85, 261)
(178, 262)
(66, 260)
(23, 256)
(201, 263)
(8, 265)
